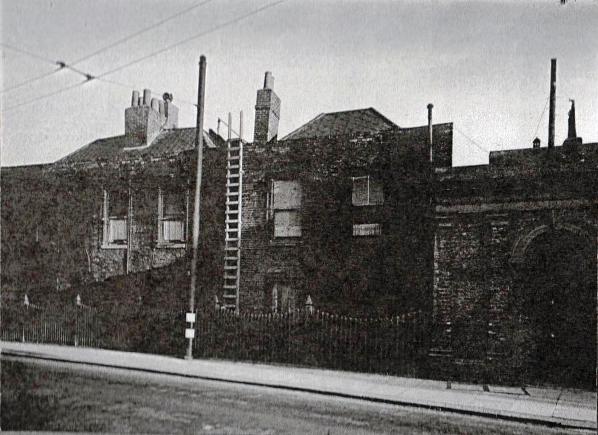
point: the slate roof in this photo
(346, 123)
(168, 143)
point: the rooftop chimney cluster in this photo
(147, 116)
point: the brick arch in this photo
(523, 242)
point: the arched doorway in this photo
(556, 298)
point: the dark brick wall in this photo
(484, 216)
(52, 221)
(387, 273)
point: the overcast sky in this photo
(484, 65)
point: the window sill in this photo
(168, 245)
(113, 246)
(286, 241)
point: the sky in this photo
(485, 65)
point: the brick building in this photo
(350, 209)
(515, 259)
(117, 206)
(336, 210)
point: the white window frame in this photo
(107, 240)
(176, 244)
(369, 201)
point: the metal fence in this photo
(390, 345)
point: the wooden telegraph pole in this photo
(199, 146)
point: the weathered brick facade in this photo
(489, 221)
(390, 272)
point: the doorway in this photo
(557, 299)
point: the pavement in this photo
(554, 407)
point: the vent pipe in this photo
(430, 139)
(552, 103)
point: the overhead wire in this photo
(477, 145)
(90, 55)
(196, 36)
(100, 77)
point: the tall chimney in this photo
(267, 111)
(552, 103)
(430, 139)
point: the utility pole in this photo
(201, 86)
(552, 109)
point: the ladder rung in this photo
(229, 286)
(232, 221)
(232, 184)
(235, 267)
(234, 148)
(231, 258)
(231, 248)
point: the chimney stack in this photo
(147, 116)
(552, 109)
(430, 138)
(572, 138)
(267, 112)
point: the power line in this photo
(29, 81)
(28, 53)
(190, 38)
(130, 86)
(88, 56)
(139, 32)
(540, 119)
(101, 76)
(44, 96)
(478, 146)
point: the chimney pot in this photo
(268, 80)
(155, 105)
(135, 99)
(161, 107)
(147, 96)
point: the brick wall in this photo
(387, 273)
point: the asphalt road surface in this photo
(42, 395)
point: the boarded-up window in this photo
(283, 298)
(172, 217)
(367, 230)
(116, 209)
(287, 223)
(287, 195)
(286, 208)
(367, 191)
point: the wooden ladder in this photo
(232, 241)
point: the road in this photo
(50, 396)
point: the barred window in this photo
(283, 298)
(367, 191)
